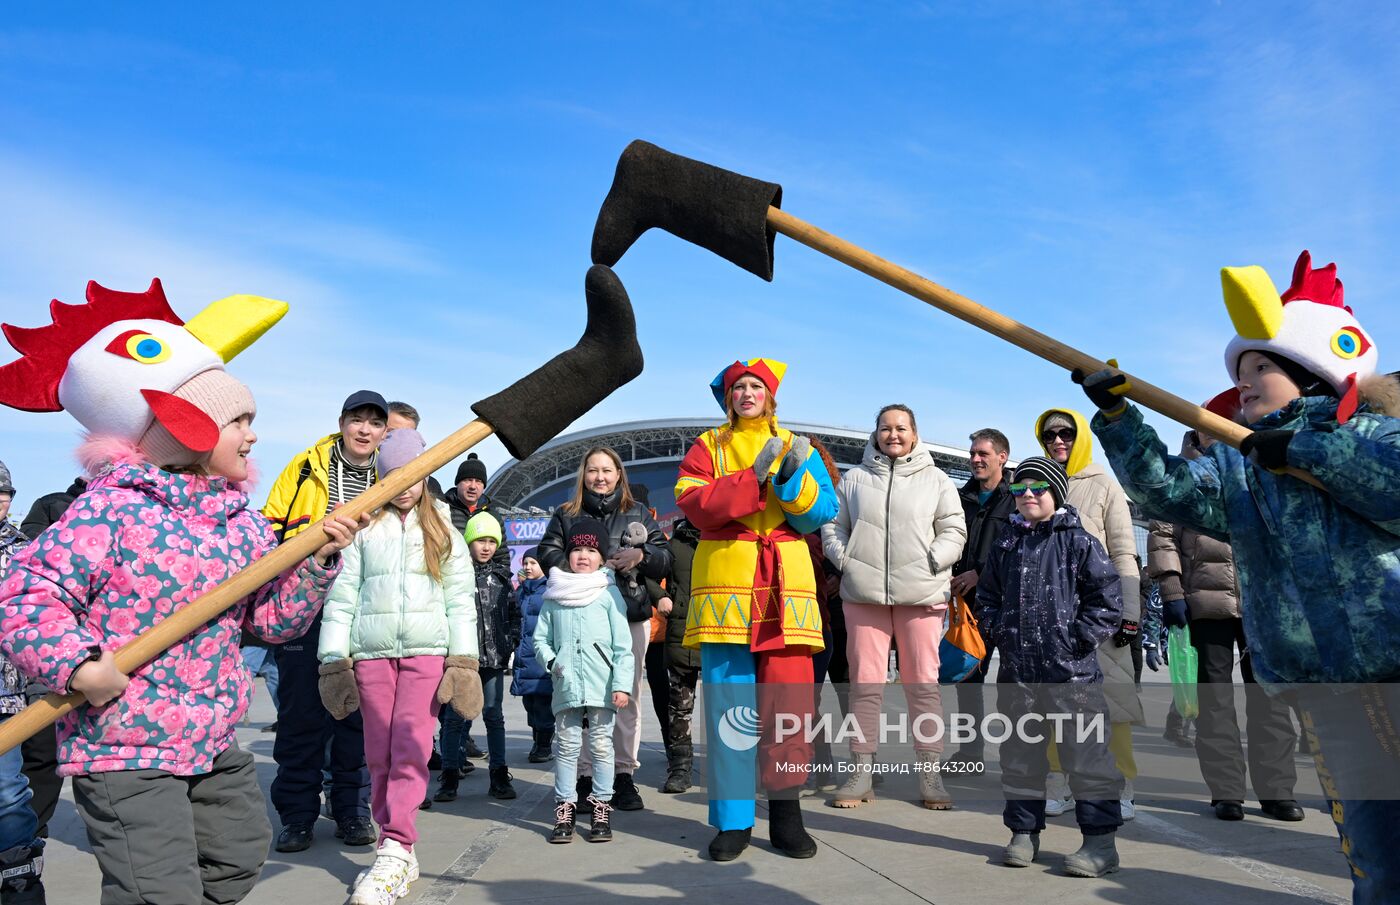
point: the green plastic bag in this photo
(1182, 664)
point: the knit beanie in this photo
(398, 449)
(587, 532)
(471, 467)
(6, 483)
(1057, 421)
(213, 392)
(484, 524)
(1039, 468)
(532, 553)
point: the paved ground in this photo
(891, 851)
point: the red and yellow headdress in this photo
(768, 370)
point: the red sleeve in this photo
(710, 502)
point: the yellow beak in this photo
(232, 324)
(1254, 304)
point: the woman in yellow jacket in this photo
(754, 489)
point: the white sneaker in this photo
(387, 880)
(1125, 801)
(1058, 798)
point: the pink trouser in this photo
(917, 630)
(398, 699)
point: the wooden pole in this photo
(155, 641)
(1033, 341)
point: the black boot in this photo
(564, 813)
(730, 844)
(601, 830)
(295, 837)
(544, 740)
(447, 785)
(22, 868)
(625, 794)
(500, 784)
(786, 831)
(678, 767)
(584, 788)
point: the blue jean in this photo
(568, 742)
(18, 825)
(1354, 743)
(455, 729)
(262, 662)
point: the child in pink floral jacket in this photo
(172, 805)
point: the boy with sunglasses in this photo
(1048, 599)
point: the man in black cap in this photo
(335, 470)
(467, 497)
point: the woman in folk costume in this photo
(754, 489)
(173, 810)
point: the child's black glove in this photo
(1175, 614)
(1127, 631)
(1267, 449)
(1104, 388)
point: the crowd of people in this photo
(406, 626)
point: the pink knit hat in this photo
(213, 393)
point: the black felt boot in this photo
(719, 210)
(730, 844)
(786, 831)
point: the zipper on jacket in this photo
(889, 495)
(599, 649)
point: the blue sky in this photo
(420, 185)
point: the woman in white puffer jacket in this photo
(899, 532)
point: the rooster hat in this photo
(127, 368)
(1309, 325)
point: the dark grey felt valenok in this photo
(533, 410)
(716, 209)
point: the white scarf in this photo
(573, 589)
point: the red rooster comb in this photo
(31, 383)
(1321, 286)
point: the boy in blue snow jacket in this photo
(1319, 569)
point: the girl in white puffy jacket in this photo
(898, 534)
(398, 638)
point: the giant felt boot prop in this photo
(717, 209)
(785, 829)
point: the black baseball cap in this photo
(365, 399)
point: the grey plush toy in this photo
(634, 536)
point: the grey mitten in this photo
(339, 692)
(635, 535)
(797, 455)
(763, 463)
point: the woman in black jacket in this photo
(602, 493)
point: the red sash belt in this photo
(766, 606)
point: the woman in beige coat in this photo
(898, 534)
(1103, 511)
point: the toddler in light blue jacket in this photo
(583, 640)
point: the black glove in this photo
(763, 462)
(1127, 631)
(1104, 388)
(1174, 614)
(1267, 449)
(795, 459)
